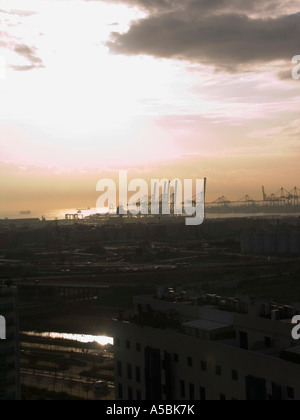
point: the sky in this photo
(163, 88)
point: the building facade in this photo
(9, 347)
(208, 348)
(271, 242)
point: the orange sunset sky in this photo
(163, 88)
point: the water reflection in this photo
(80, 338)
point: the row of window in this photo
(129, 372)
(190, 361)
(131, 396)
(183, 394)
(202, 392)
(138, 346)
(218, 370)
(204, 367)
(192, 393)
(243, 342)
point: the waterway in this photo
(80, 338)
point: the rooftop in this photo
(204, 325)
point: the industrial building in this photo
(180, 346)
(271, 242)
(281, 202)
(10, 388)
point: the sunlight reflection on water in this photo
(102, 340)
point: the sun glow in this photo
(81, 96)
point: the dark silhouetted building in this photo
(178, 346)
(9, 347)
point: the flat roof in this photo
(205, 325)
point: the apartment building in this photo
(178, 346)
(9, 345)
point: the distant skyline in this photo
(194, 88)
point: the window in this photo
(218, 370)
(192, 392)
(203, 366)
(138, 347)
(290, 393)
(128, 345)
(235, 375)
(138, 395)
(129, 372)
(202, 394)
(244, 341)
(268, 342)
(130, 394)
(120, 391)
(119, 369)
(117, 342)
(190, 362)
(176, 358)
(182, 389)
(222, 397)
(138, 374)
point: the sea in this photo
(60, 214)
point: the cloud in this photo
(21, 13)
(15, 44)
(227, 34)
(285, 75)
(253, 8)
(24, 68)
(30, 55)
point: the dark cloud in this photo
(28, 53)
(253, 7)
(227, 34)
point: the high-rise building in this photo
(10, 388)
(182, 347)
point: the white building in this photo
(208, 348)
(9, 347)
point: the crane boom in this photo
(264, 193)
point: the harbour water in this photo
(81, 338)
